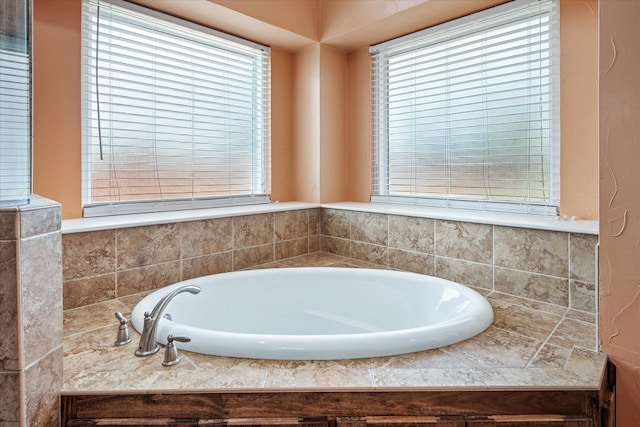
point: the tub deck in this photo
(531, 347)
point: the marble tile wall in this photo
(547, 266)
(30, 314)
(102, 265)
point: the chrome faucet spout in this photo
(148, 342)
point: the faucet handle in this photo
(171, 351)
(123, 331)
(121, 317)
(171, 339)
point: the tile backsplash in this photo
(102, 265)
(548, 266)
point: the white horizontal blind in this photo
(175, 115)
(15, 104)
(466, 113)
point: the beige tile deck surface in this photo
(530, 345)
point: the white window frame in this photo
(258, 175)
(468, 25)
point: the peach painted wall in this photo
(317, 128)
(306, 125)
(359, 150)
(231, 21)
(619, 129)
(56, 103)
(282, 185)
(301, 17)
(351, 24)
(340, 17)
(333, 118)
(579, 108)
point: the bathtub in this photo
(318, 313)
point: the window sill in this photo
(81, 225)
(494, 218)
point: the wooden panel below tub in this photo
(578, 408)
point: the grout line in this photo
(493, 257)
(115, 264)
(569, 293)
(544, 343)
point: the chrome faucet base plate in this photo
(170, 362)
(119, 343)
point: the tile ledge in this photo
(493, 218)
(81, 225)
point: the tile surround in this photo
(531, 344)
(88, 254)
(9, 401)
(41, 399)
(547, 266)
(41, 299)
(558, 348)
(464, 240)
(412, 234)
(9, 360)
(582, 257)
(543, 299)
(536, 251)
(210, 236)
(415, 262)
(554, 290)
(8, 225)
(30, 313)
(145, 246)
(207, 264)
(469, 273)
(102, 265)
(253, 230)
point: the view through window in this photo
(466, 113)
(175, 115)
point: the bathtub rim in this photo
(323, 346)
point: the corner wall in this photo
(359, 122)
(56, 103)
(333, 124)
(306, 125)
(281, 156)
(579, 108)
(31, 314)
(619, 95)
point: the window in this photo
(466, 113)
(15, 103)
(175, 115)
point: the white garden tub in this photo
(319, 313)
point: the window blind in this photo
(175, 115)
(15, 104)
(466, 113)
